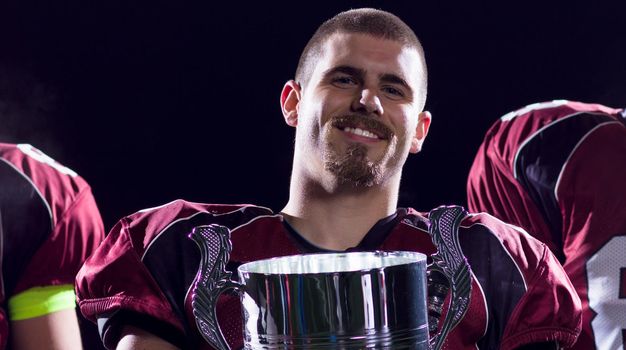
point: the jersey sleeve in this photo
(75, 236)
(143, 272)
(541, 305)
(591, 191)
(493, 188)
(114, 281)
(550, 310)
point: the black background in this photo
(156, 100)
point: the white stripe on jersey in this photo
(44, 158)
(533, 107)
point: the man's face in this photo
(358, 115)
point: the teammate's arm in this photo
(134, 338)
(57, 330)
(44, 318)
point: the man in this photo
(357, 106)
(557, 169)
(49, 224)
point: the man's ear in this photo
(289, 101)
(423, 124)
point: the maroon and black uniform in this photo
(49, 224)
(143, 273)
(558, 169)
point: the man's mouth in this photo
(361, 132)
(363, 127)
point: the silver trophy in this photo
(358, 300)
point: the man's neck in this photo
(338, 219)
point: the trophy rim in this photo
(386, 259)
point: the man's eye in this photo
(393, 91)
(343, 81)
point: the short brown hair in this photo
(369, 21)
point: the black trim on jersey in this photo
(371, 241)
(26, 224)
(540, 160)
(498, 275)
(173, 258)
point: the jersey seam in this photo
(124, 231)
(162, 231)
(539, 335)
(527, 140)
(530, 137)
(574, 149)
(98, 304)
(521, 335)
(81, 194)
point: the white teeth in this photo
(360, 132)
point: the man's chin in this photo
(355, 173)
(358, 182)
(353, 167)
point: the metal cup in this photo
(342, 301)
(358, 300)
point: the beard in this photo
(352, 166)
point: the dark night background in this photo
(156, 100)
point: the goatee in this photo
(353, 167)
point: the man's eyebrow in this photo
(349, 70)
(394, 79)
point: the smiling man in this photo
(357, 107)
(357, 114)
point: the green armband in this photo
(39, 301)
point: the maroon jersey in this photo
(49, 223)
(558, 169)
(143, 273)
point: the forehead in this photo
(371, 54)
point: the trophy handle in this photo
(211, 280)
(449, 263)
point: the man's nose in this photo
(367, 101)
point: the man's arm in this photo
(134, 338)
(57, 330)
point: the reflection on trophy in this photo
(357, 300)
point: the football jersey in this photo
(143, 273)
(49, 224)
(558, 169)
